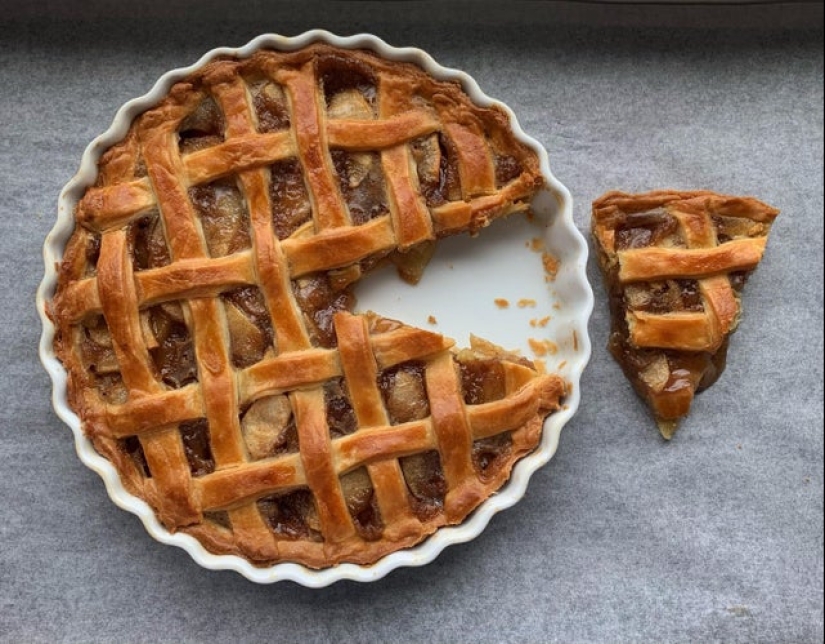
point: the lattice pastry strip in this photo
(674, 263)
(202, 308)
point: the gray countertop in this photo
(714, 537)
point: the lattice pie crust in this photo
(204, 308)
(674, 264)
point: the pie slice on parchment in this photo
(674, 264)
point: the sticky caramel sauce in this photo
(292, 515)
(148, 243)
(224, 218)
(442, 186)
(361, 181)
(203, 128)
(340, 414)
(195, 437)
(174, 355)
(482, 381)
(320, 302)
(270, 105)
(288, 195)
(362, 503)
(250, 302)
(425, 482)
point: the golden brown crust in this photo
(141, 280)
(697, 247)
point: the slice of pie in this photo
(204, 308)
(674, 265)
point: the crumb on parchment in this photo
(501, 303)
(525, 302)
(431, 319)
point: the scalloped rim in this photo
(571, 284)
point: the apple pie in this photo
(674, 265)
(205, 315)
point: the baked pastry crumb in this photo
(536, 244)
(540, 322)
(542, 348)
(551, 266)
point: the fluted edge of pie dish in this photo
(571, 286)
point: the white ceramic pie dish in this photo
(457, 294)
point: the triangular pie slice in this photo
(204, 308)
(674, 264)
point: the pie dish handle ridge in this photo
(570, 286)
